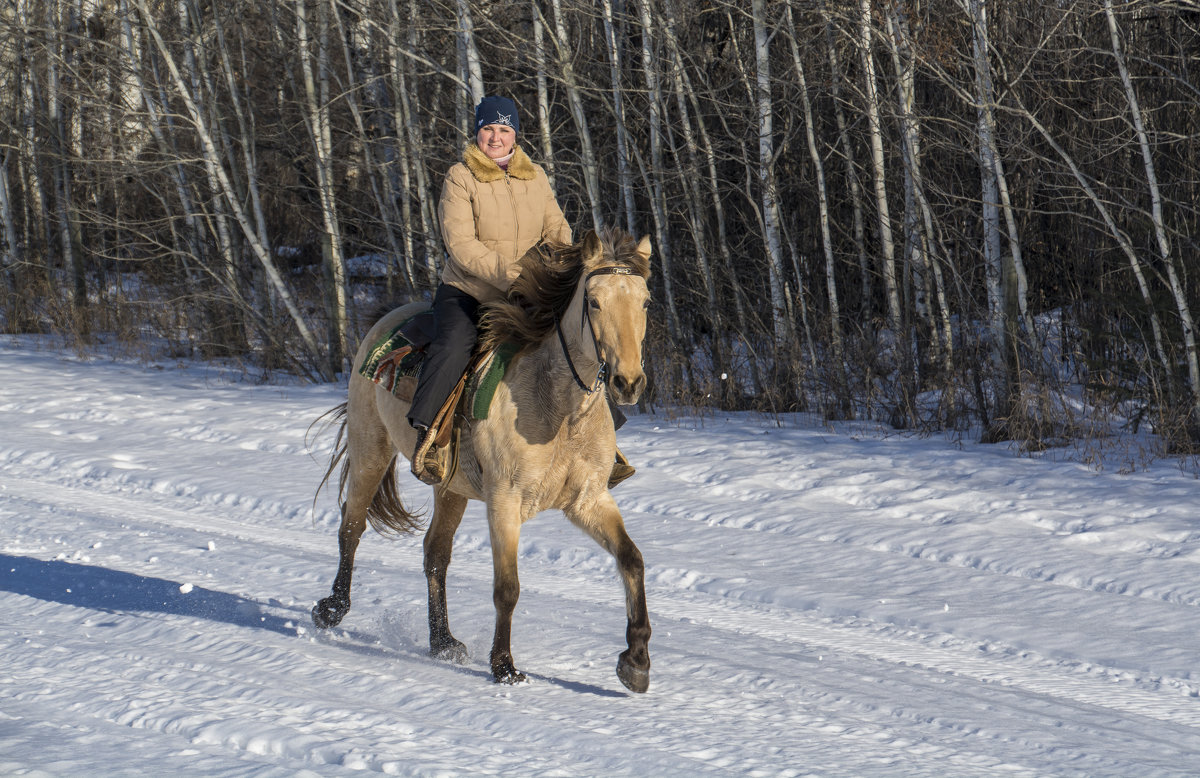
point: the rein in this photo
(586, 321)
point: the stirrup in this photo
(621, 470)
(425, 464)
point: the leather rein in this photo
(586, 321)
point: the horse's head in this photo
(616, 298)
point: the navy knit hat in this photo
(497, 110)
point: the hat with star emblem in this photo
(497, 110)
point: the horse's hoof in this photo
(329, 612)
(510, 677)
(503, 671)
(452, 651)
(635, 678)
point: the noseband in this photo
(586, 321)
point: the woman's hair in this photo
(550, 272)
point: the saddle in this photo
(399, 354)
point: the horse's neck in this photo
(552, 381)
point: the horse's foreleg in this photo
(505, 529)
(329, 611)
(608, 529)
(439, 542)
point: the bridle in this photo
(586, 321)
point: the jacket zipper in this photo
(512, 200)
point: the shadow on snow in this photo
(115, 591)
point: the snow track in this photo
(822, 604)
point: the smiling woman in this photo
(496, 205)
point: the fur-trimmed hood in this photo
(486, 170)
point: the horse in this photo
(548, 441)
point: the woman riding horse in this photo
(496, 205)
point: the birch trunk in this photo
(241, 107)
(405, 159)
(193, 245)
(692, 178)
(1156, 212)
(849, 157)
(591, 180)
(60, 164)
(784, 326)
(920, 232)
(469, 68)
(1002, 348)
(316, 89)
(384, 200)
(14, 307)
(624, 176)
(543, 91)
(225, 331)
(835, 322)
(425, 192)
(31, 151)
(875, 132)
(658, 202)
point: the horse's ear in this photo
(591, 245)
(643, 247)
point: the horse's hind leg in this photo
(439, 542)
(368, 459)
(605, 525)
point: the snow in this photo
(826, 600)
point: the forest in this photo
(941, 214)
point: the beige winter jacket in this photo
(490, 218)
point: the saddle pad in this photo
(392, 357)
(487, 378)
(396, 355)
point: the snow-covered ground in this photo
(825, 601)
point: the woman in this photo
(496, 205)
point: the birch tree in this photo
(543, 89)
(883, 217)
(316, 89)
(564, 49)
(783, 325)
(1166, 255)
(656, 184)
(470, 70)
(624, 175)
(849, 158)
(810, 137)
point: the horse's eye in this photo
(646, 305)
(593, 302)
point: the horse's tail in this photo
(386, 513)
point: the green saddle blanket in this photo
(400, 352)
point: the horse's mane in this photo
(549, 274)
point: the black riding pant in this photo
(456, 317)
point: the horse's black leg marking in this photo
(329, 611)
(439, 542)
(608, 529)
(633, 666)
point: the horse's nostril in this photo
(627, 387)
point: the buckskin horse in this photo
(577, 312)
